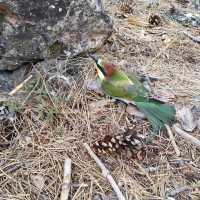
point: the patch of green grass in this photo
(41, 100)
(34, 84)
(13, 106)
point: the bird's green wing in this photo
(114, 90)
(137, 85)
(133, 76)
(119, 78)
(119, 85)
(124, 86)
(114, 86)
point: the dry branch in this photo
(183, 189)
(20, 86)
(179, 190)
(105, 173)
(66, 179)
(186, 136)
(178, 153)
(193, 38)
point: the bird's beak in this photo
(99, 67)
(93, 57)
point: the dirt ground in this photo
(53, 124)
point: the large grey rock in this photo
(32, 30)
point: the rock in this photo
(195, 4)
(8, 79)
(132, 110)
(32, 31)
(38, 181)
(6, 114)
(187, 19)
(186, 118)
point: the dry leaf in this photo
(132, 110)
(166, 39)
(186, 118)
(38, 181)
(25, 140)
(196, 114)
(96, 105)
(198, 124)
(135, 21)
(163, 95)
(94, 85)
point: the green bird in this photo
(127, 87)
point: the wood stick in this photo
(179, 190)
(105, 173)
(19, 86)
(184, 189)
(5, 97)
(186, 136)
(178, 153)
(193, 38)
(66, 179)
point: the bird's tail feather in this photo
(158, 114)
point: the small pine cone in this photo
(6, 115)
(3, 112)
(126, 8)
(154, 20)
(124, 142)
(183, 2)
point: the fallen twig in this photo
(186, 136)
(4, 97)
(66, 179)
(20, 86)
(135, 21)
(193, 38)
(179, 190)
(178, 153)
(183, 189)
(105, 173)
(152, 169)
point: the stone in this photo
(32, 31)
(8, 79)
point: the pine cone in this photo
(154, 20)
(132, 144)
(183, 2)
(126, 7)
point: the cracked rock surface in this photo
(32, 31)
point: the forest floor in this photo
(53, 122)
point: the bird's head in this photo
(104, 69)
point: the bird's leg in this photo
(148, 78)
(125, 101)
